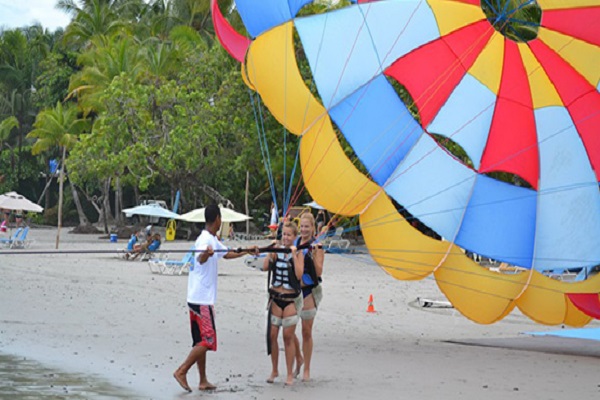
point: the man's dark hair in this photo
(211, 213)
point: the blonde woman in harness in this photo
(285, 300)
(314, 256)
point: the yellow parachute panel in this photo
(401, 250)
(272, 70)
(481, 295)
(545, 299)
(331, 178)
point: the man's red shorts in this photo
(202, 322)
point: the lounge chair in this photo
(148, 254)
(336, 240)
(21, 241)
(172, 267)
(7, 242)
(122, 253)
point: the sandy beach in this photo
(98, 315)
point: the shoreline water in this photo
(112, 320)
(23, 378)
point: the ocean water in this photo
(22, 378)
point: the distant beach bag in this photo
(3, 226)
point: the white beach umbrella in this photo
(315, 205)
(151, 210)
(227, 215)
(15, 201)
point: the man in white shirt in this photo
(202, 294)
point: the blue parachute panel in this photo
(378, 127)
(500, 222)
(568, 229)
(348, 47)
(467, 125)
(260, 16)
(459, 204)
(432, 186)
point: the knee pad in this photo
(290, 321)
(308, 314)
(276, 321)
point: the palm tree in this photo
(17, 58)
(109, 58)
(59, 127)
(94, 18)
(6, 126)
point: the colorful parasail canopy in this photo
(514, 85)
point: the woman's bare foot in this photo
(289, 381)
(206, 386)
(299, 364)
(306, 376)
(181, 378)
(271, 378)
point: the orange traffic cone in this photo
(370, 307)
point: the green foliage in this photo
(25, 179)
(52, 82)
(516, 19)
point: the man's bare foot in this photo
(298, 366)
(206, 386)
(271, 378)
(181, 378)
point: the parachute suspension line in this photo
(300, 186)
(285, 133)
(290, 201)
(371, 36)
(264, 146)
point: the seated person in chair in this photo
(151, 245)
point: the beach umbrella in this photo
(151, 210)
(315, 205)
(227, 215)
(15, 201)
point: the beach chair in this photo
(149, 253)
(122, 253)
(7, 242)
(21, 241)
(172, 267)
(336, 240)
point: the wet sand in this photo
(22, 378)
(96, 315)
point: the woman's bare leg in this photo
(307, 340)
(289, 334)
(299, 359)
(274, 354)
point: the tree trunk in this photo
(60, 194)
(246, 201)
(106, 205)
(83, 221)
(118, 218)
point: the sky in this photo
(19, 13)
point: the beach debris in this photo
(429, 303)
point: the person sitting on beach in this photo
(285, 270)
(19, 218)
(320, 220)
(150, 246)
(314, 256)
